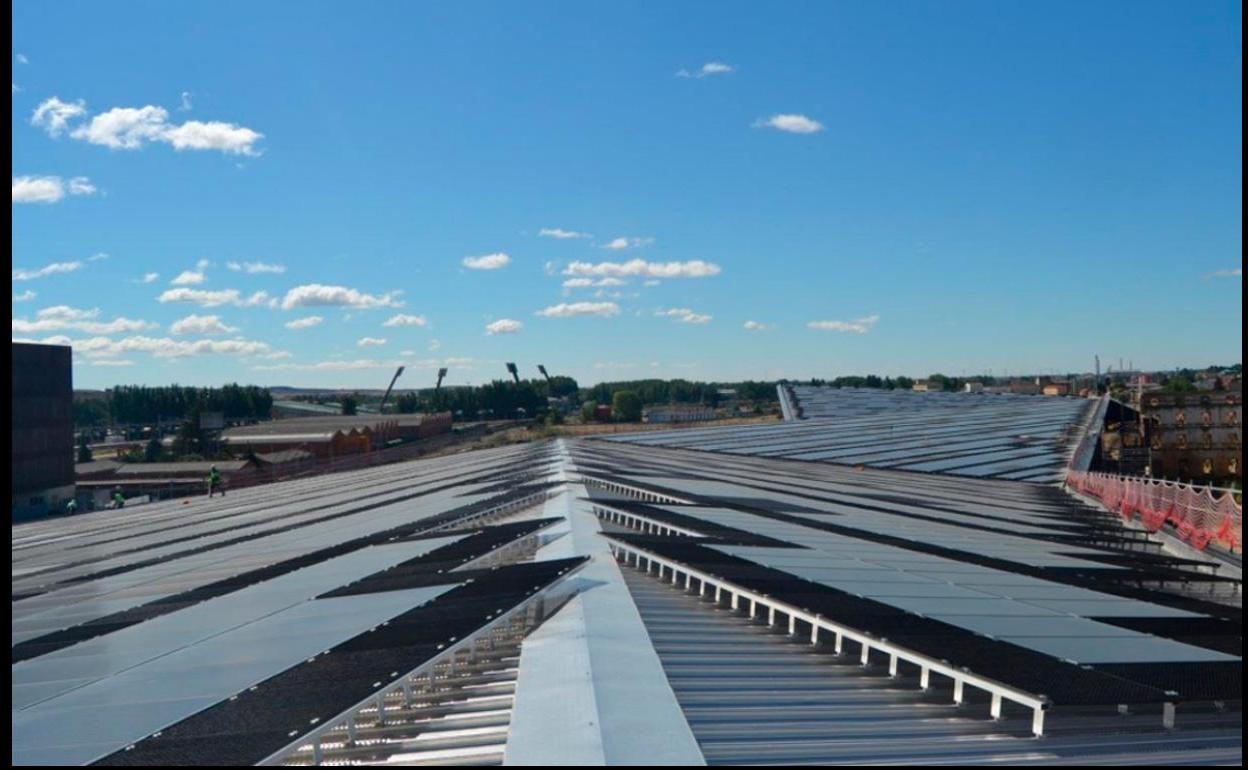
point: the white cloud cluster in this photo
(305, 323)
(255, 267)
(201, 324)
(150, 277)
(403, 319)
(43, 272)
(487, 261)
(792, 124)
(638, 267)
(503, 326)
(572, 309)
(129, 128)
(1235, 272)
(370, 342)
(620, 244)
(164, 347)
(318, 295)
(756, 326)
(49, 189)
(25, 296)
(65, 318)
(561, 234)
(54, 115)
(858, 326)
(707, 70)
(205, 298)
(684, 315)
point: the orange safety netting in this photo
(1198, 517)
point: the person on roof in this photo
(214, 481)
(119, 500)
(71, 507)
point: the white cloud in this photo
(49, 189)
(569, 310)
(21, 59)
(755, 326)
(188, 278)
(43, 272)
(793, 124)
(151, 277)
(435, 345)
(54, 115)
(186, 101)
(402, 319)
(620, 244)
(255, 267)
(67, 313)
(98, 257)
(561, 234)
(318, 295)
(159, 347)
(858, 326)
(305, 323)
(16, 88)
(637, 267)
(487, 261)
(652, 282)
(25, 296)
(215, 135)
(63, 318)
(370, 342)
(581, 283)
(503, 326)
(129, 128)
(111, 362)
(202, 298)
(1235, 272)
(684, 315)
(707, 70)
(201, 324)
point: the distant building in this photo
(1025, 387)
(329, 437)
(974, 386)
(920, 386)
(1194, 436)
(1056, 389)
(42, 477)
(677, 413)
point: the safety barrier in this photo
(1199, 515)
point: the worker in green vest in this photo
(119, 500)
(214, 481)
(71, 507)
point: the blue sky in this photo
(899, 188)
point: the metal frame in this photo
(534, 606)
(999, 692)
(636, 493)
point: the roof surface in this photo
(599, 602)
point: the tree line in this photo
(128, 405)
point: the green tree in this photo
(154, 451)
(587, 411)
(626, 406)
(349, 404)
(84, 449)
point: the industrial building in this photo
(608, 602)
(42, 473)
(335, 436)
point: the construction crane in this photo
(515, 373)
(542, 369)
(441, 374)
(382, 409)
